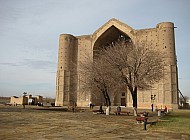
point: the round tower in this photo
(67, 58)
(167, 40)
(167, 46)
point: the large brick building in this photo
(73, 49)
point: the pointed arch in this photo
(109, 27)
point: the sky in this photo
(30, 29)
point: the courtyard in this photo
(44, 123)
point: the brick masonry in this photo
(75, 49)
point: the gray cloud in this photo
(11, 64)
(34, 64)
(40, 64)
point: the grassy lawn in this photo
(176, 121)
(44, 123)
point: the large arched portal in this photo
(111, 35)
(107, 38)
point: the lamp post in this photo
(152, 101)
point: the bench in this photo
(122, 112)
(140, 120)
(163, 111)
(82, 110)
(98, 112)
(141, 114)
(9, 104)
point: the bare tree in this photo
(99, 78)
(24, 93)
(183, 101)
(138, 66)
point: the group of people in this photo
(91, 105)
(156, 108)
(101, 111)
(118, 109)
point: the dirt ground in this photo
(36, 124)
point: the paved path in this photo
(16, 123)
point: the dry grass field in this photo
(36, 124)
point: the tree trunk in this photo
(105, 97)
(134, 96)
(108, 108)
(108, 98)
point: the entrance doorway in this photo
(123, 101)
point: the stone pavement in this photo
(16, 123)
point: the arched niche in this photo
(107, 27)
(108, 37)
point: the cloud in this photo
(34, 64)
(11, 64)
(30, 31)
(40, 64)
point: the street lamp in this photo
(152, 100)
